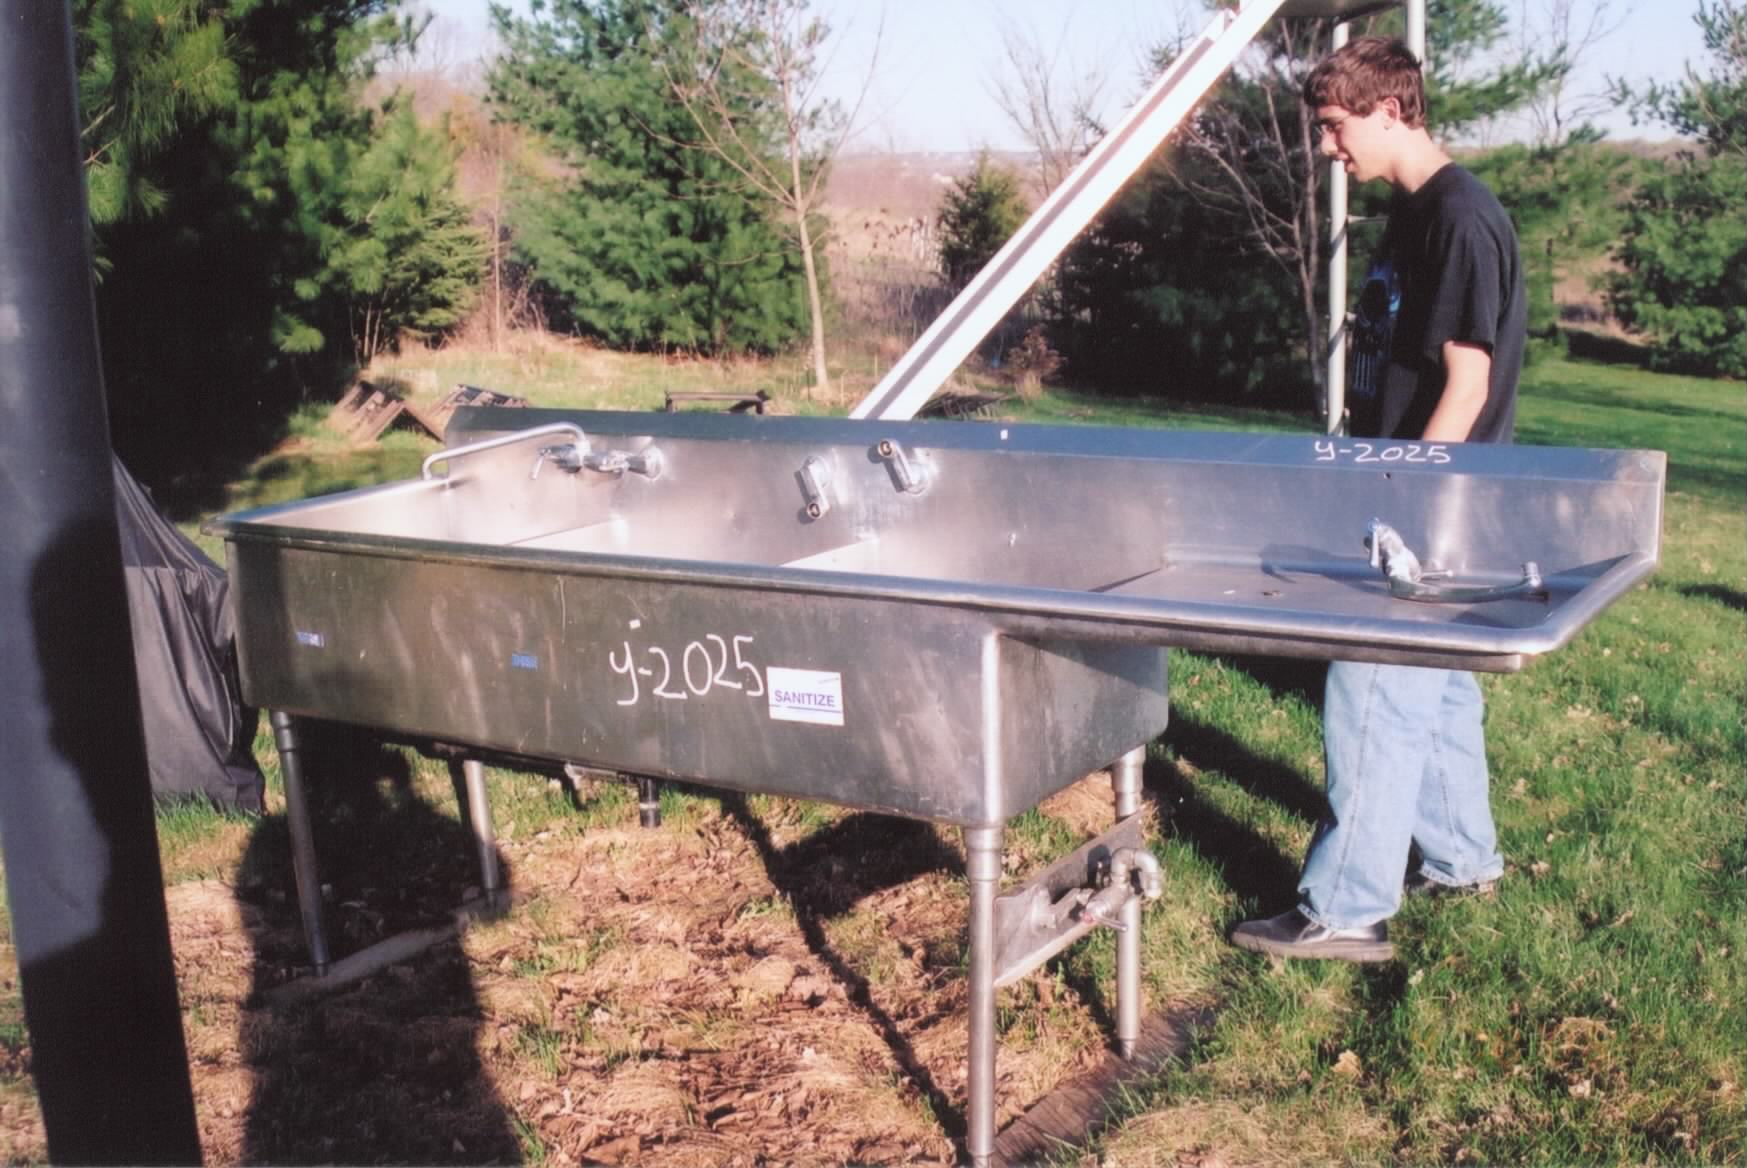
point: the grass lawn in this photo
(1590, 1012)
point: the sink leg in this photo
(1125, 776)
(983, 866)
(302, 839)
(648, 801)
(484, 834)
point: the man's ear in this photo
(1391, 106)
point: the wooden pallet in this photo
(739, 403)
(962, 403)
(436, 418)
(366, 411)
(370, 408)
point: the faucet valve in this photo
(1134, 872)
(565, 456)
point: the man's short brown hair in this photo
(1362, 74)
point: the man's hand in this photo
(1467, 372)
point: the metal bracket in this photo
(1070, 898)
(814, 476)
(911, 478)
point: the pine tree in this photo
(235, 174)
(978, 213)
(146, 69)
(1566, 202)
(639, 240)
(1684, 249)
(405, 258)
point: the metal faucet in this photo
(566, 456)
(1409, 581)
(571, 457)
(646, 462)
(1390, 553)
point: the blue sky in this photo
(937, 58)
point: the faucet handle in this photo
(565, 456)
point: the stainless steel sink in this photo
(942, 620)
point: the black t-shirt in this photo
(1448, 269)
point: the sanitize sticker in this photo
(311, 640)
(805, 695)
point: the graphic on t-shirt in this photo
(1373, 324)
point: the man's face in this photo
(1362, 142)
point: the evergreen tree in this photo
(978, 213)
(237, 188)
(405, 257)
(1567, 201)
(1684, 249)
(1156, 299)
(145, 69)
(638, 239)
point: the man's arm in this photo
(1467, 375)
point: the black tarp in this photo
(199, 735)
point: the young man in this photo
(1437, 347)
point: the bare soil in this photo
(754, 982)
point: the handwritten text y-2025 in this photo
(1408, 452)
(713, 662)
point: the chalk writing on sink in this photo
(710, 663)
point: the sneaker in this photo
(1292, 934)
(1421, 885)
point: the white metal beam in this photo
(1339, 223)
(1063, 215)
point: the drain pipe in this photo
(648, 801)
(77, 836)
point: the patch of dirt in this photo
(722, 991)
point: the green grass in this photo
(1698, 422)
(1590, 1013)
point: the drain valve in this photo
(1133, 872)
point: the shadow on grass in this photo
(189, 466)
(385, 1069)
(1247, 862)
(1210, 748)
(1385, 987)
(1722, 594)
(824, 876)
(1607, 349)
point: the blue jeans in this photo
(1406, 760)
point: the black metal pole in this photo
(648, 801)
(76, 830)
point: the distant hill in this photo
(906, 186)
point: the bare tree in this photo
(493, 154)
(751, 71)
(1057, 116)
(1256, 152)
(1570, 29)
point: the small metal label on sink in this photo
(805, 695)
(311, 640)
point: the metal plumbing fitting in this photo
(1133, 872)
